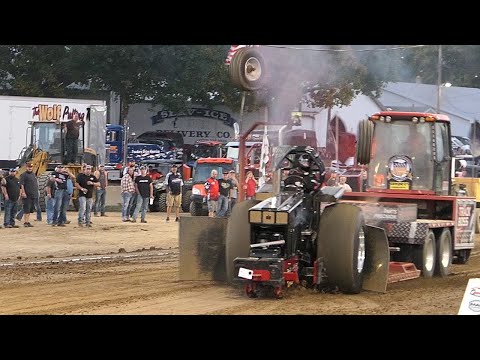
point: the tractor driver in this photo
(417, 148)
(304, 170)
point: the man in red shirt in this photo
(153, 173)
(213, 193)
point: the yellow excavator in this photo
(46, 150)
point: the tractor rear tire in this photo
(424, 256)
(462, 256)
(244, 60)
(42, 182)
(341, 243)
(364, 141)
(237, 243)
(186, 201)
(444, 253)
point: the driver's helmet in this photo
(304, 161)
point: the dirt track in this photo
(125, 268)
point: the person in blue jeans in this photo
(127, 185)
(225, 186)
(62, 198)
(11, 194)
(85, 183)
(101, 192)
(50, 199)
(144, 188)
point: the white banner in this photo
(264, 159)
(471, 298)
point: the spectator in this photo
(2, 181)
(133, 199)
(460, 168)
(153, 173)
(250, 186)
(234, 191)
(29, 192)
(130, 164)
(38, 209)
(71, 138)
(343, 183)
(332, 180)
(62, 199)
(70, 188)
(85, 183)
(11, 195)
(144, 190)
(50, 188)
(213, 192)
(101, 191)
(225, 187)
(128, 190)
(174, 184)
(364, 180)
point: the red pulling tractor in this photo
(408, 220)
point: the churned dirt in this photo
(126, 268)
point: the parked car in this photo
(152, 136)
(461, 145)
(169, 148)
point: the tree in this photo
(460, 64)
(177, 76)
(324, 76)
(35, 70)
(123, 69)
(186, 74)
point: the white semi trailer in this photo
(17, 111)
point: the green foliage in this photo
(178, 75)
(460, 64)
(333, 77)
(35, 70)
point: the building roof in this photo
(460, 102)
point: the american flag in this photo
(233, 50)
(264, 159)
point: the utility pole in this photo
(125, 142)
(473, 148)
(439, 78)
(242, 107)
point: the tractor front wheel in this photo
(186, 201)
(195, 209)
(237, 242)
(247, 69)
